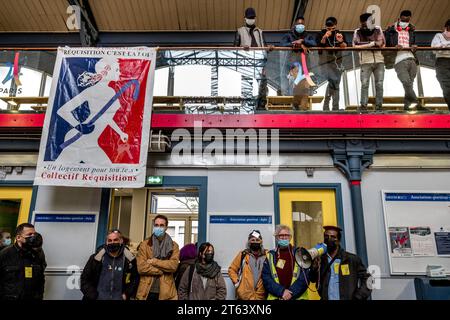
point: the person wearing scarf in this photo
(157, 261)
(204, 280)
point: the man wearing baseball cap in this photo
(245, 270)
(341, 275)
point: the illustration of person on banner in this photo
(301, 82)
(98, 100)
(97, 121)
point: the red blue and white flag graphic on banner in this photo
(97, 125)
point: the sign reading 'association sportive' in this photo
(97, 125)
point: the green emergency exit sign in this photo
(155, 180)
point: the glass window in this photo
(171, 204)
(48, 85)
(307, 220)
(431, 86)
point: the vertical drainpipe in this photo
(357, 207)
(352, 160)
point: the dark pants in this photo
(406, 72)
(443, 76)
(333, 75)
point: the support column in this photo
(352, 158)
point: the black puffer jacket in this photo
(91, 275)
(22, 274)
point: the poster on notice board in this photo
(400, 242)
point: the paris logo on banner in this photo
(96, 129)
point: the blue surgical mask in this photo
(299, 28)
(158, 231)
(7, 242)
(283, 242)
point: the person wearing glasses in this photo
(340, 275)
(157, 261)
(283, 278)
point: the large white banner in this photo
(96, 129)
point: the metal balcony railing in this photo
(230, 80)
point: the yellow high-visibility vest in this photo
(296, 273)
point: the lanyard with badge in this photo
(28, 272)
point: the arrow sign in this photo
(155, 180)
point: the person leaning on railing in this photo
(402, 35)
(442, 40)
(372, 62)
(248, 36)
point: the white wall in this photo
(65, 199)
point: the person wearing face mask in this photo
(246, 268)
(157, 261)
(402, 35)
(340, 275)
(331, 61)
(297, 37)
(5, 239)
(442, 40)
(249, 35)
(283, 278)
(22, 267)
(372, 62)
(204, 280)
(300, 40)
(110, 273)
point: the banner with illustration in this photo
(97, 125)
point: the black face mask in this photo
(255, 246)
(113, 247)
(366, 31)
(209, 257)
(32, 242)
(331, 245)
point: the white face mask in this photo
(403, 24)
(250, 22)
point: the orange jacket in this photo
(246, 289)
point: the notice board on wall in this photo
(69, 237)
(417, 227)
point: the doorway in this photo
(306, 209)
(180, 207)
(14, 207)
